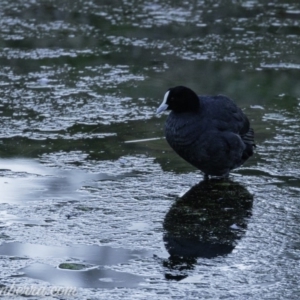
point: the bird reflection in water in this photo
(205, 222)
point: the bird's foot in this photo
(222, 177)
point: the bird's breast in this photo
(182, 133)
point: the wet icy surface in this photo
(93, 198)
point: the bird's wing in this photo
(225, 115)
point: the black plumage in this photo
(209, 132)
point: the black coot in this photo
(209, 132)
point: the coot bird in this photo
(209, 132)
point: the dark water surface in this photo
(92, 197)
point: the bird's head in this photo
(179, 99)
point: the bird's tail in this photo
(248, 139)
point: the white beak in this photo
(163, 106)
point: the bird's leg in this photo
(206, 177)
